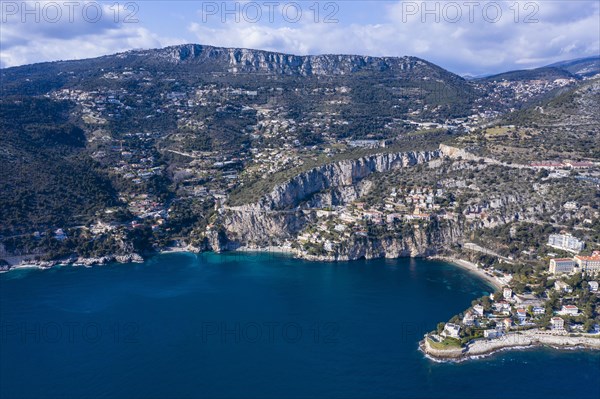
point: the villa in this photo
(451, 330)
(557, 323)
(538, 310)
(491, 333)
(478, 310)
(570, 310)
(468, 319)
(562, 286)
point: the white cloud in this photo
(465, 45)
(486, 42)
(72, 36)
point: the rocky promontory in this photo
(514, 340)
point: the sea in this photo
(258, 325)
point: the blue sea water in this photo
(257, 326)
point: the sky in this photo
(466, 37)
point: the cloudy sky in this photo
(465, 36)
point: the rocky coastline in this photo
(511, 341)
(77, 261)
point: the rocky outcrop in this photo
(518, 340)
(441, 354)
(80, 261)
(216, 240)
(344, 176)
(288, 207)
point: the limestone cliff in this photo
(418, 242)
(289, 207)
(239, 60)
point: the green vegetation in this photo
(446, 344)
(47, 179)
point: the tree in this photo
(486, 303)
(587, 326)
(440, 327)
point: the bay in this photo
(257, 326)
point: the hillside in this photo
(147, 149)
(563, 125)
(545, 73)
(582, 67)
(47, 178)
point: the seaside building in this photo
(561, 265)
(491, 334)
(557, 323)
(469, 319)
(502, 307)
(507, 293)
(451, 330)
(478, 310)
(566, 242)
(589, 264)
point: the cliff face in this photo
(238, 60)
(344, 177)
(289, 207)
(417, 243)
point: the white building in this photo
(571, 205)
(60, 235)
(451, 330)
(566, 242)
(570, 310)
(593, 286)
(589, 264)
(561, 265)
(468, 319)
(507, 293)
(521, 315)
(538, 310)
(562, 286)
(491, 334)
(478, 309)
(557, 323)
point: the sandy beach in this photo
(471, 267)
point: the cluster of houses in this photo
(144, 206)
(562, 286)
(403, 204)
(515, 311)
(523, 89)
(507, 311)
